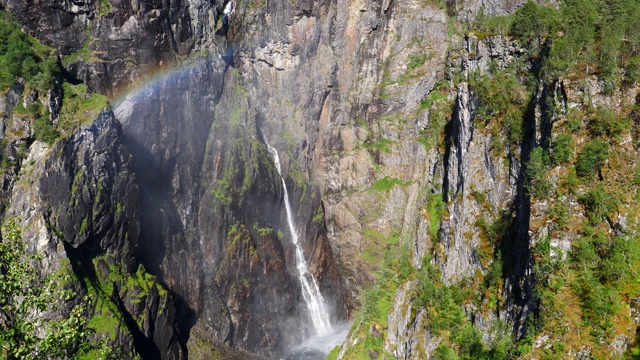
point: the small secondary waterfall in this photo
(310, 290)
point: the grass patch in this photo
(385, 184)
(79, 106)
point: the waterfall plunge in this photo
(310, 290)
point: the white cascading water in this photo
(229, 8)
(310, 291)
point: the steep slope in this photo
(73, 205)
(76, 205)
(452, 167)
(509, 240)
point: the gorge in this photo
(368, 179)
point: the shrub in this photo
(592, 158)
(44, 130)
(537, 184)
(435, 211)
(441, 301)
(18, 58)
(560, 214)
(377, 301)
(607, 123)
(562, 149)
(415, 61)
(602, 262)
(23, 293)
(598, 204)
(632, 69)
(489, 25)
(444, 352)
(502, 101)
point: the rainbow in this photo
(157, 78)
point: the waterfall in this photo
(229, 8)
(310, 290)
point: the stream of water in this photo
(318, 313)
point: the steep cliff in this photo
(504, 248)
(452, 167)
(70, 196)
(76, 204)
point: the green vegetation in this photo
(386, 184)
(581, 166)
(597, 37)
(111, 284)
(21, 56)
(592, 158)
(221, 192)
(445, 317)
(559, 214)
(380, 144)
(83, 54)
(562, 149)
(262, 231)
(376, 245)
(598, 204)
(600, 261)
(333, 355)
(371, 323)
(441, 301)
(239, 240)
(42, 127)
(104, 7)
(23, 295)
(78, 107)
(440, 109)
(531, 20)
(318, 215)
(415, 61)
(435, 209)
(485, 26)
(502, 104)
(536, 173)
(439, 93)
(245, 161)
(607, 123)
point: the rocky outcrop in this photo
(478, 183)
(113, 45)
(77, 205)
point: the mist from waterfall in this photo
(318, 313)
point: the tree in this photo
(532, 20)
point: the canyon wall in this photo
(394, 149)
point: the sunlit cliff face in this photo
(450, 169)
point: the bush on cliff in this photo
(24, 297)
(21, 56)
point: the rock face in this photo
(374, 109)
(111, 45)
(323, 82)
(77, 205)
